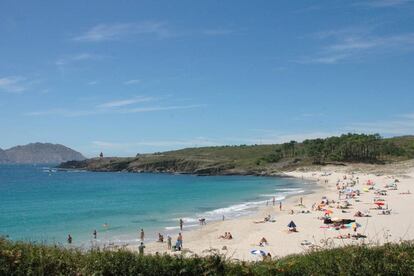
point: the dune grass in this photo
(21, 258)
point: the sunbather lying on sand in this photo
(226, 236)
(359, 236)
(342, 237)
(266, 219)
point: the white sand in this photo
(246, 234)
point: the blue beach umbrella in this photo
(291, 224)
(258, 252)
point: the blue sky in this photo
(124, 77)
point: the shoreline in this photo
(246, 234)
(256, 206)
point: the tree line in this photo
(345, 148)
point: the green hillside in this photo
(260, 159)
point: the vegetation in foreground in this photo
(19, 258)
(260, 159)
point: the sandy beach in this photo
(312, 232)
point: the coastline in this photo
(246, 234)
(243, 209)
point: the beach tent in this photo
(258, 252)
(291, 224)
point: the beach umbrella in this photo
(258, 252)
(355, 225)
(328, 212)
(379, 203)
(291, 224)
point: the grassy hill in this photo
(260, 159)
(19, 258)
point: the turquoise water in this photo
(37, 204)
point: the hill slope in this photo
(45, 153)
(259, 159)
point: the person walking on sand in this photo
(142, 235)
(274, 201)
(280, 205)
(69, 239)
(141, 248)
(169, 242)
(181, 224)
(301, 201)
(179, 243)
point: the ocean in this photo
(41, 204)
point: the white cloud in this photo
(76, 58)
(160, 108)
(133, 81)
(120, 103)
(62, 112)
(113, 107)
(117, 31)
(13, 84)
(353, 43)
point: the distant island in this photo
(259, 159)
(39, 153)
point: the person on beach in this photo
(301, 200)
(160, 237)
(263, 242)
(179, 243)
(224, 236)
(95, 234)
(141, 248)
(69, 239)
(280, 205)
(181, 224)
(142, 234)
(274, 201)
(169, 242)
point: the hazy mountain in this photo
(39, 153)
(3, 157)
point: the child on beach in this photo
(141, 248)
(181, 224)
(169, 242)
(142, 234)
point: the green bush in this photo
(19, 258)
